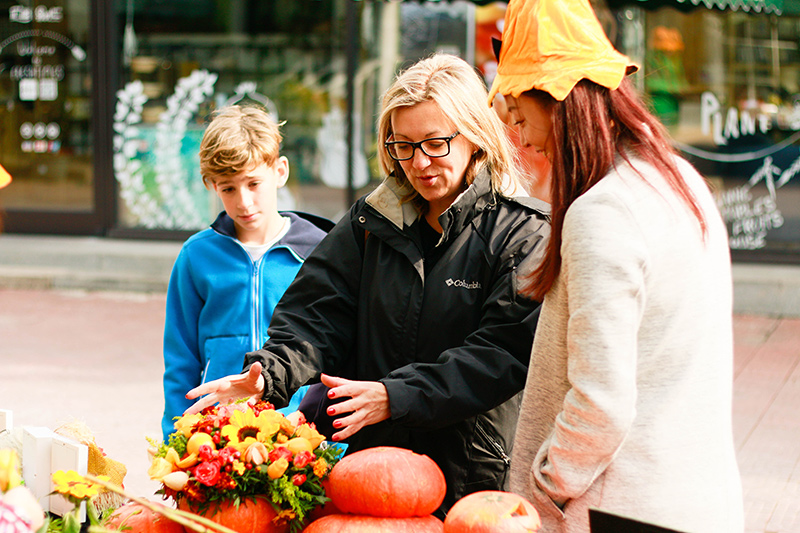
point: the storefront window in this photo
(45, 105)
(725, 83)
(183, 59)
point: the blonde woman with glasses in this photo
(409, 309)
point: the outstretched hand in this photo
(368, 404)
(228, 389)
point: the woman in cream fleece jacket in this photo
(627, 404)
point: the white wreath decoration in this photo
(175, 208)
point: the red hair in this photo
(591, 127)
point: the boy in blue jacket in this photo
(227, 279)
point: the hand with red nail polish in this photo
(368, 404)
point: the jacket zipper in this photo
(494, 444)
(256, 315)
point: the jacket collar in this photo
(301, 238)
(385, 199)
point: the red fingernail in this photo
(337, 423)
(330, 394)
(331, 411)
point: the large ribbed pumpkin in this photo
(348, 523)
(140, 519)
(251, 516)
(387, 482)
(492, 511)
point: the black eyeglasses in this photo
(433, 147)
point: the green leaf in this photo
(71, 523)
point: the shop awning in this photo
(775, 7)
(478, 2)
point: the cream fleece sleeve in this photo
(604, 265)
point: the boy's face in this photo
(250, 199)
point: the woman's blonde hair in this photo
(461, 94)
(237, 140)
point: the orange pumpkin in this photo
(387, 482)
(250, 517)
(348, 523)
(140, 519)
(492, 511)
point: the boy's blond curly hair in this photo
(237, 140)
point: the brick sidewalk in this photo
(766, 421)
(96, 357)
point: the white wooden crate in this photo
(45, 452)
(6, 420)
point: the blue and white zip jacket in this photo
(220, 302)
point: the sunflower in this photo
(244, 428)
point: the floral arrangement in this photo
(228, 454)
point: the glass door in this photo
(46, 112)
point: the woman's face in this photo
(439, 180)
(533, 122)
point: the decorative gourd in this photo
(250, 517)
(349, 523)
(492, 511)
(387, 482)
(140, 519)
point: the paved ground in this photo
(96, 357)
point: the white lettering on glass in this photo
(735, 123)
(26, 15)
(750, 216)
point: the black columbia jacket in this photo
(451, 348)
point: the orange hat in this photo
(5, 177)
(553, 44)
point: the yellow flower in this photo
(287, 426)
(186, 423)
(239, 467)
(313, 436)
(159, 468)
(243, 445)
(73, 485)
(9, 470)
(172, 456)
(245, 427)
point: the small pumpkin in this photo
(492, 511)
(140, 519)
(251, 516)
(348, 523)
(386, 481)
